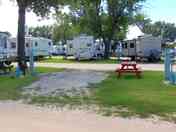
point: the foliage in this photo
(104, 18)
(63, 28)
(159, 28)
(42, 31)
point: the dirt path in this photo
(16, 117)
(99, 67)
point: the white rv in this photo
(42, 46)
(138, 44)
(4, 46)
(84, 47)
(145, 46)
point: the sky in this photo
(157, 10)
(163, 10)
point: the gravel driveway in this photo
(68, 82)
(99, 67)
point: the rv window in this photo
(131, 45)
(125, 46)
(13, 45)
(88, 45)
(71, 46)
(27, 44)
(5, 42)
(36, 44)
(49, 43)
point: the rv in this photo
(42, 47)
(84, 47)
(59, 49)
(145, 46)
(4, 46)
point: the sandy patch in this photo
(16, 117)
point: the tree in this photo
(63, 29)
(41, 8)
(104, 18)
(42, 31)
(141, 21)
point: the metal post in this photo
(31, 60)
(167, 65)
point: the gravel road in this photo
(68, 82)
(99, 67)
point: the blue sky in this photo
(164, 10)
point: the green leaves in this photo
(40, 7)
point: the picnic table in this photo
(129, 67)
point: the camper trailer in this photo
(146, 46)
(42, 47)
(84, 47)
(140, 45)
(4, 46)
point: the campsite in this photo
(81, 66)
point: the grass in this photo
(127, 96)
(47, 70)
(61, 59)
(112, 60)
(143, 97)
(10, 87)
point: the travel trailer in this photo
(42, 47)
(84, 47)
(143, 46)
(4, 46)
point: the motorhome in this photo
(84, 47)
(42, 47)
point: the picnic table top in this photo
(128, 63)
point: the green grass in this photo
(61, 59)
(47, 70)
(145, 96)
(127, 96)
(10, 87)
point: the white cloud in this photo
(9, 18)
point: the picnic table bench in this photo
(5, 67)
(129, 67)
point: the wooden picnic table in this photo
(129, 67)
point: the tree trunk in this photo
(107, 48)
(21, 39)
